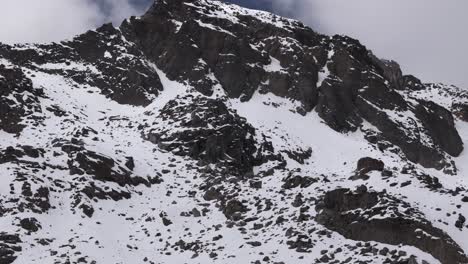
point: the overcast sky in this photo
(429, 38)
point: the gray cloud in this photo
(54, 20)
(427, 37)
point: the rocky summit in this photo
(203, 132)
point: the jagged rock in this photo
(233, 209)
(82, 161)
(300, 155)
(105, 60)
(9, 247)
(336, 107)
(351, 214)
(298, 201)
(461, 221)
(18, 99)
(87, 209)
(302, 243)
(166, 36)
(212, 194)
(12, 154)
(461, 111)
(30, 224)
(205, 51)
(441, 127)
(92, 191)
(366, 165)
(69, 139)
(130, 164)
(391, 70)
(294, 181)
(207, 131)
(256, 184)
(164, 219)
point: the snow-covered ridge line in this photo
(231, 12)
(274, 146)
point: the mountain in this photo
(203, 132)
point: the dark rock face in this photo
(102, 58)
(212, 194)
(233, 209)
(12, 154)
(9, 247)
(335, 106)
(294, 181)
(133, 81)
(351, 214)
(82, 161)
(18, 99)
(191, 49)
(366, 165)
(336, 76)
(440, 125)
(207, 130)
(21, 158)
(409, 127)
(291, 61)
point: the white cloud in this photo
(55, 20)
(427, 37)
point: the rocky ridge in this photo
(206, 132)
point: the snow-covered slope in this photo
(203, 132)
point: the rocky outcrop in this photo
(206, 50)
(101, 58)
(337, 76)
(371, 216)
(205, 129)
(182, 168)
(132, 79)
(234, 209)
(408, 126)
(440, 125)
(30, 224)
(18, 99)
(15, 154)
(9, 247)
(294, 181)
(367, 164)
(82, 161)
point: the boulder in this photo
(234, 209)
(9, 247)
(367, 164)
(371, 216)
(30, 224)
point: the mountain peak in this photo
(206, 132)
(215, 10)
